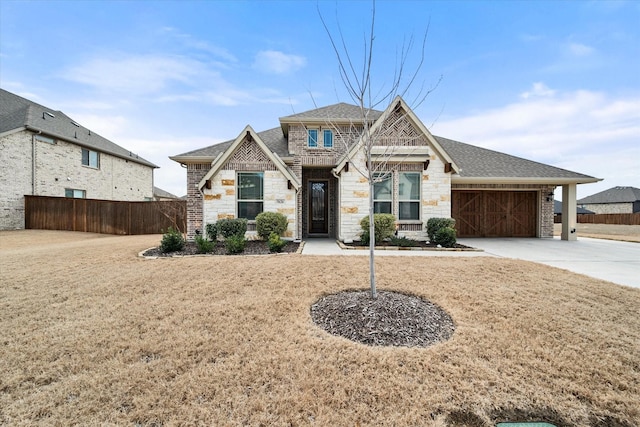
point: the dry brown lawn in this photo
(626, 233)
(92, 335)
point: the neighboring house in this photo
(304, 170)
(557, 209)
(612, 201)
(161, 195)
(44, 152)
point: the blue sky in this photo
(552, 81)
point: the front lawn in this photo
(90, 334)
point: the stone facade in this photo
(58, 167)
(610, 208)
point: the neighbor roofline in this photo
(92, 147)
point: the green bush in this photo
(403, 242)
(204, 245)
(235, 244)
(384, 227)
(445, 237)
(212, 231)
(435, 224)
(172, 241)
(270, 222)
(232, 227)
(275, 242)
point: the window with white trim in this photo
(409, 196)
(250, 194)
(382, 193)
(312, 138)
(327, 138)
(90, 158)
(75, 193)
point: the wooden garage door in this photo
(495, 213)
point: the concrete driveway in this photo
(615, 261)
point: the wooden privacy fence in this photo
(103, 216)
(620, 219)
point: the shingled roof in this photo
(477, 162)
(17, 113)
(613, 195)
(474, 162)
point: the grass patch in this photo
(90, 334)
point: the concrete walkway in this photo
(614, 261)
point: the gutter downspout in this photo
(33, 162)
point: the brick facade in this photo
(59, 167)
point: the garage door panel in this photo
(495, 213)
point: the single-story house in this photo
(308, 168)
(612, 201)
(44, 152)
(557, 209)
(160, 195)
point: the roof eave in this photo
(192, 159)
(457, 179)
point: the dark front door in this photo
(318, 207)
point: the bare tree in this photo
(372, 134)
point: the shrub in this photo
(276, 243)
(403, 242)
(172, 241)
(435, 224)
(384, 227)
(235, 244)
(212, 231)
(232, 227)
(204, 245)
(270, 222)
(445, 237)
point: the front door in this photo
(318, 207)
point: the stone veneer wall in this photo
(609, 208)
(59, 167)
(545, 208)
(354, 190)
(195, 173)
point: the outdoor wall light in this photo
(549, 197)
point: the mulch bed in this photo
(392, 319)
(417, 244)
(253, 247)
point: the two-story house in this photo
(44, 152)
(309, 168)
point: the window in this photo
(75, 194)
(45, 139)
(90, 158)
(409, 196)
(250, 194)
(328, 138)
(382, 193)
(312, 137)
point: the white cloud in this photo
(579, 49)
(538, 89)
(584, 131)
(276, 62)
(134, 74)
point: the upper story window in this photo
(75, 193)
(90, 158)
(327, 135)
(45, 139)
(250, 191)
(312, 138)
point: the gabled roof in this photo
(613, 195)
(557, 208)
(224, 155)
(272, 138)
(332, 114)
(481, 164)
(159, 192)
(18, 113)
(398, 102)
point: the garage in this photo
(495, 213)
